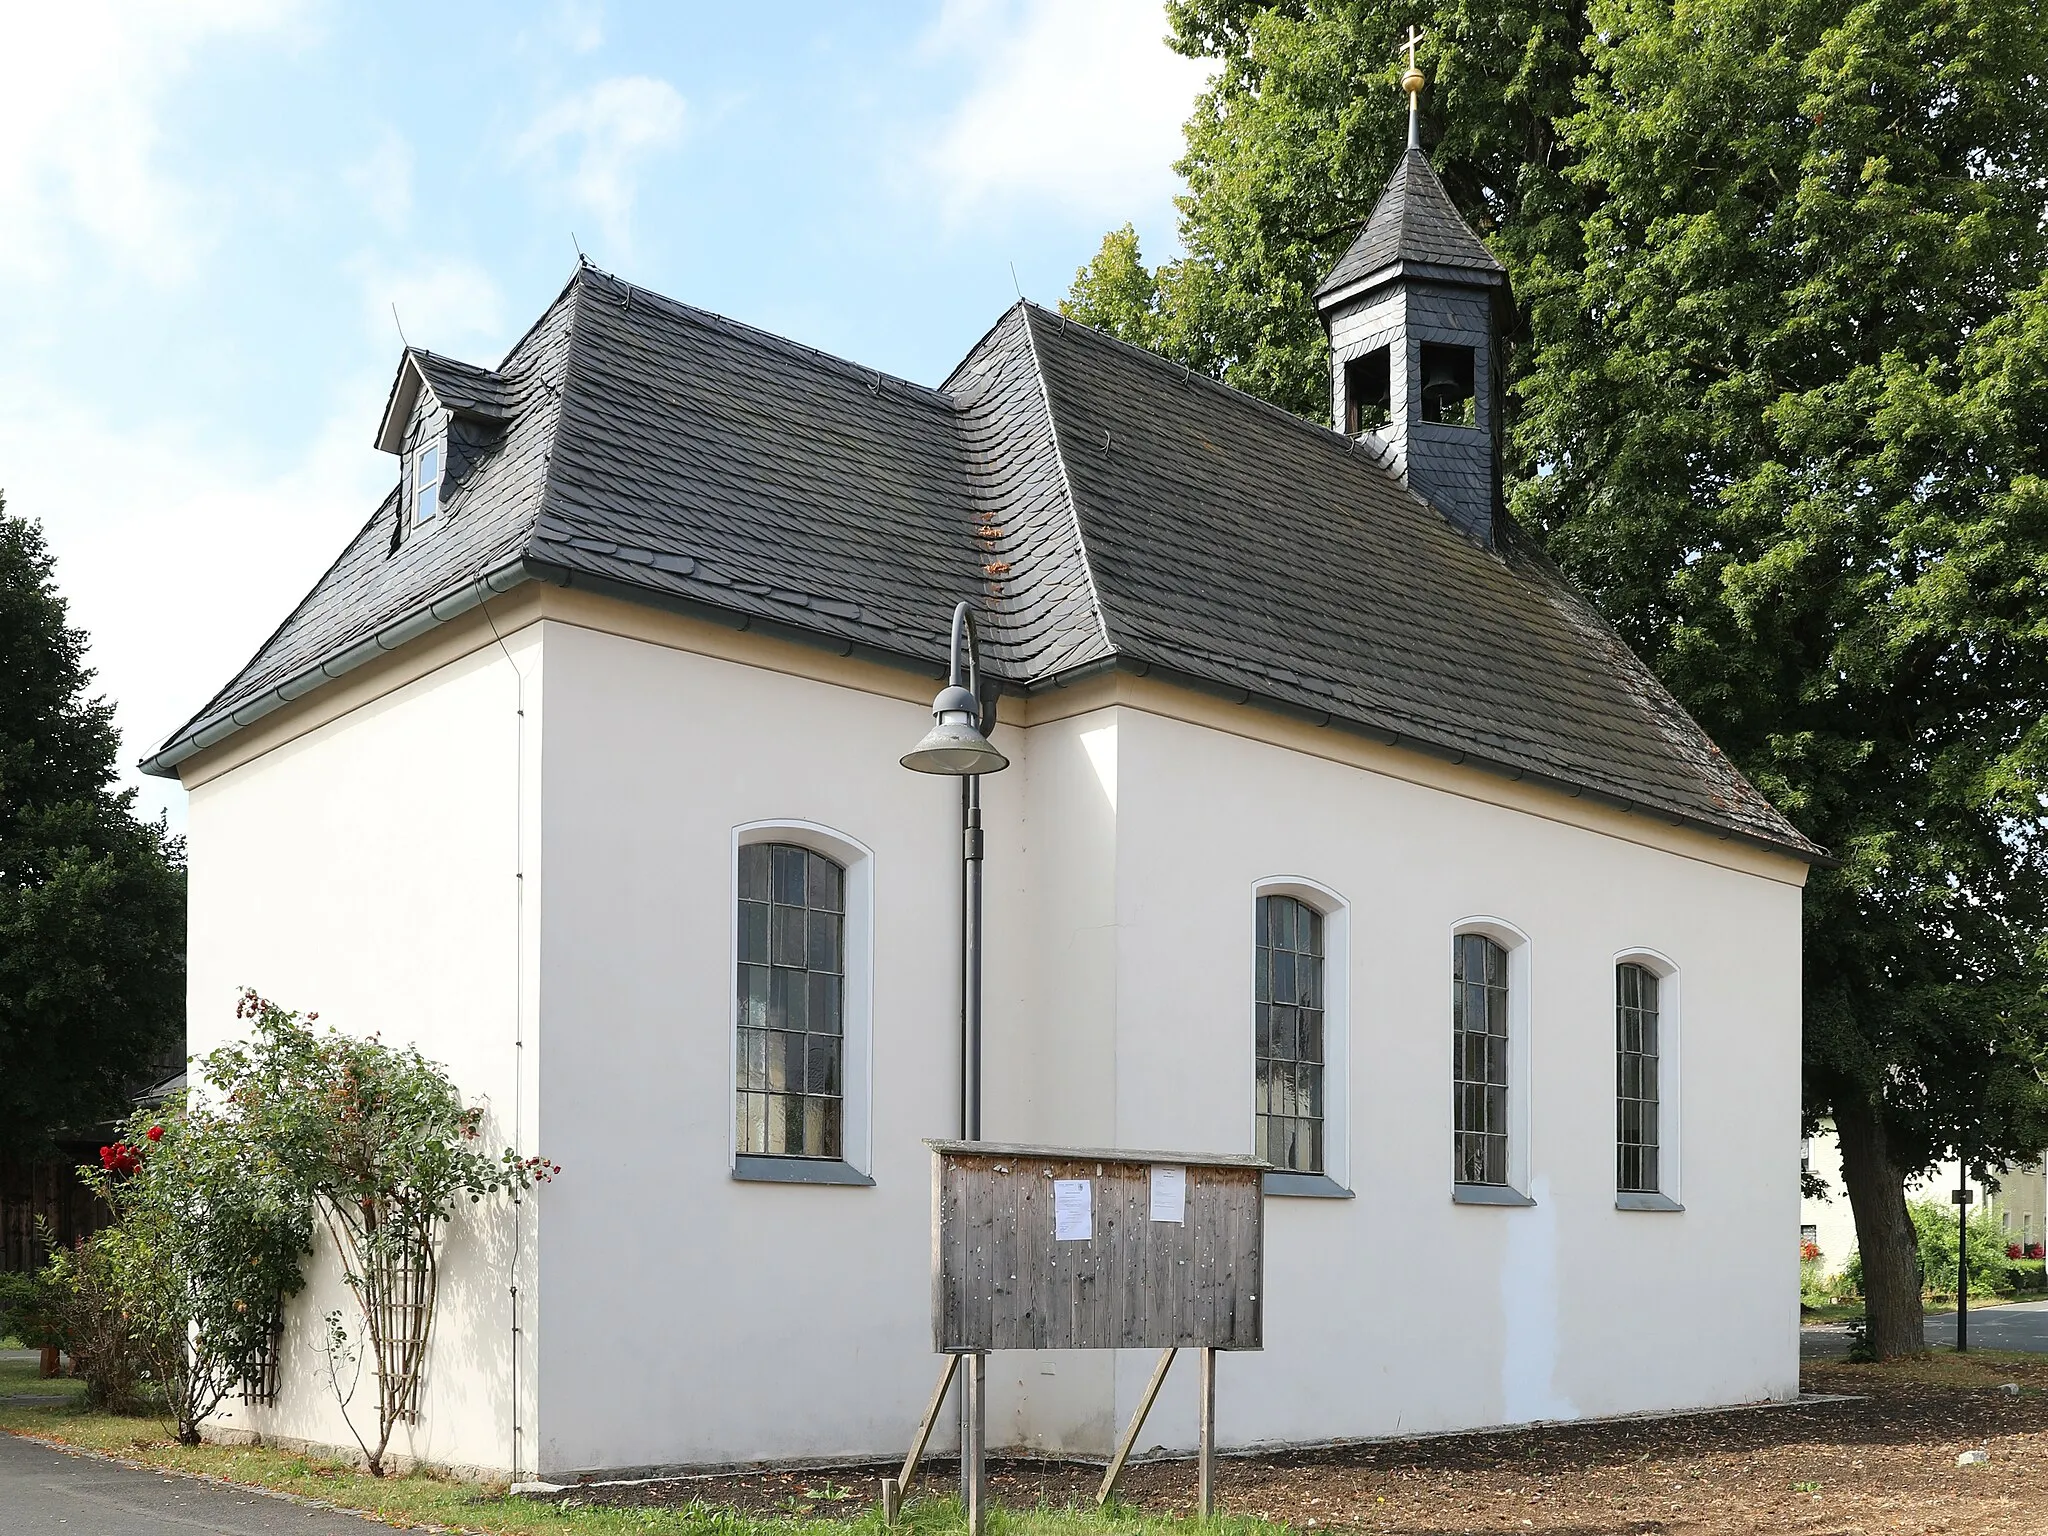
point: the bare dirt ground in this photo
(1882, 1463)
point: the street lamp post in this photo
(958, 745)
(1962, 1198)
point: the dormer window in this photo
(426, 495)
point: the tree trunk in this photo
(1893, 1322)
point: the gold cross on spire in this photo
(1411, 82)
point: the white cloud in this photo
(382, 178)
(81, 88)
(581, 24)
(447, 305)
(596, 141)
(179, 546)
(181, 542)
(1075, 103)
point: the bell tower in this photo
(1410, 311)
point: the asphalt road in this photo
(44, 1491)
(2023, 1326)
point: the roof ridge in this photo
(696, 314)
(1059, 457)
(1159, 359)
(454, 362)
(562, 426)
(539, 320)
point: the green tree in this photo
(92, 900)
(1786, 407)
(1289, 148)
(1779, 387)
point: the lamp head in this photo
(954, 745)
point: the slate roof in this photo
(1106, 508)
(1414, 221)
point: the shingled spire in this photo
(1410, 314)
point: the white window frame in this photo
(856, 1160)
(1670, 1079)
(432, 435)
(1335, 1179)
(1520, 968)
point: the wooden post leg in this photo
(892, 1500)
(1123, 1450)
(1206, 1456)
(977, 1420)
(924, 1430)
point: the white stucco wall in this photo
(688, 1317)
(365, 871)
(691, 1318)
(678, 1316)
(1398, 1311)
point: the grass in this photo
(24, 1378)
(1831, 1312)
(425, 1499)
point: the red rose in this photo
(156, 1133)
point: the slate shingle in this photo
(1414, 221)
(1101, 505)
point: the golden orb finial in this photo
(1411, 82)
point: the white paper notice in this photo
(1073, 1210)
(1169, 1193)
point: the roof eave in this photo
(1801, 851)
(1332, 294)
(406, 385)
(211, 730)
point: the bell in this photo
(1441, 386)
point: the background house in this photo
(1338, 827)
(2019, 1205)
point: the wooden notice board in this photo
(1066, 1248)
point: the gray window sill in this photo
(1317, 1186)
(796, 1170)
(1644, 1200)
(1488, 1194)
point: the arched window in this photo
(1480, 1059)
(1288, 1000)
(1637, 1090)
(790, 1003)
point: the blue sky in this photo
(209, 208)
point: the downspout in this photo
(518, 1017)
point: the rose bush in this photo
(377, 1141)
(206, 1246)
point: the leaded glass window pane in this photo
(1479, 1060)
(1287, 1033)
(1635, 1044)
(789, 1017)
